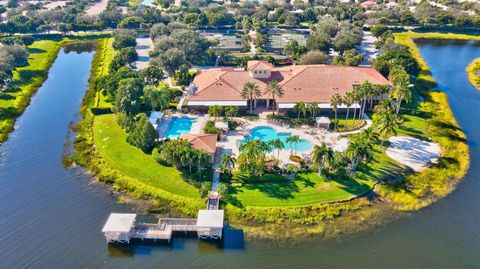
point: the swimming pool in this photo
(266, 133)
(179, 126)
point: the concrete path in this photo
(97, 8)
(144, 46)
(367, 47)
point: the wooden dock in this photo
(122, 228)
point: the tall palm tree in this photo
(231, 111)
(300, 107)
(386, 123)
(293, 139)
(335, 101)
(313, 108)
(365, 92)
(348, 100)
(251, 92)
(215, 111)
(401, 91)
(274, 89)
(359, 149)
(227, 163)
(278, 145)
(321, 156)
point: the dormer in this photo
(259, 69)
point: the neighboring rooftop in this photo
(207, 142)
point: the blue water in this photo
(179, 126)
(265, 133)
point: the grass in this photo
(110, 141)
(473, 72)
(305, 189)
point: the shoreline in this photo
(31, 85)
(378, 207)
(473, 72)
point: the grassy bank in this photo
(473, 72)
(422, 189)
(100, 146)
(28, 79)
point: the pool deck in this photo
(229, 143)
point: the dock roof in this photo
(210, 219)
(118, 222)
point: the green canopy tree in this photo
(143, 135)
(128, 97)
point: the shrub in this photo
(210, 128)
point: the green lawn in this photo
(111, 144)
(305, 189)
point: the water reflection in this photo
(233, 239)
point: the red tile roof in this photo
(207, 142)
(307, 83)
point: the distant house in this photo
(300, 83)
(207, 142)
(368, 4)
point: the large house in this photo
(300, 83)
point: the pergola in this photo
(118, 227)
(210, 224)
(323, 122)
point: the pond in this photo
(51, 217)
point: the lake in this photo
(51, 217)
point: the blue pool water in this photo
(266, 133)
(179, 126)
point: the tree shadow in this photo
(7, 113)
(4, 96)
(36, 50)
(26, 75)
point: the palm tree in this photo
(359, 149)
(293, 139)
(231, 111)
(151, 95)
(251, 92)
(365, 92)
(386, 123)
(313, 108)
(227, 163)
(278, 145)
(335, 101)
(274, 89)
(215, 111)
(203, 160)
(300, 107)
(348, 99)
(401, 90)
(321, 156)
